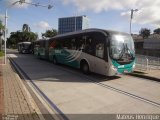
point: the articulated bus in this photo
(92, 50)
(25, 47)
(40, 48)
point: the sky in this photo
(103, 14)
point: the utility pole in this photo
(131, 17)
(75, 27)
(5, 36)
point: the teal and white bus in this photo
(25, 47)
(40, 48)
(91, 50)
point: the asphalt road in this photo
(71, 92)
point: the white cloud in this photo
(42, 25)
(102, 5)
(147, 14)
(17, 5)
(148, 10)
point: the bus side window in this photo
(66, 43)
(37, 45)
(73, 44)
(100, 50)
(80, 43)
(58, 44)
(89, 47)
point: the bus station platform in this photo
(16, 102)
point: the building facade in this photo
(70, 24)
(147, 46)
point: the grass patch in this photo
(1, 53)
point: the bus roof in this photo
(41, 40)
(105, 32)
(79, 32)
(24, 43)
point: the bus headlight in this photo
(134, 66)
(113, 68)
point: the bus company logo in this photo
(73, 55)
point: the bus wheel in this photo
(85, 67)
(54, 60)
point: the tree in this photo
(1, 33)
(157, 31)
(29, 36)
(1, 25)
(21, 36)
(13, 39)
(16, 37)
(50, 33)
(144, 32)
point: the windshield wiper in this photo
(129, 51)
(122, 52)
(125, 48)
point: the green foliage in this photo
(25, 35)
(157, 31)
(1, 33)
(1, 54)
(18, 36)
(144, 32)
(50, 33)
(1, 25)
(1, 28)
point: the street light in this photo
(132, 11)
(5, 37)
(75, 22)
(35, 4)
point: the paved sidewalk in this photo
(1, 92)
(15, 100)
(148, 74)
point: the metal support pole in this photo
(147, 63)
(130, 22)
(131, 17)
(5, 37)
(75, 27)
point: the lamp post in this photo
(35, 4)
(132, 11)
(5, 37)
(6, 17)
(5, 31)
(75, 22)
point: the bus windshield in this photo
(26, 46)
(121, 44)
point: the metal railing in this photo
(144, 63)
